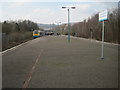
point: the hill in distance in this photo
(46, 26)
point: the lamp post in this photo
(68, 9)
(57, 28)
(58, 23)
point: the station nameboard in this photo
(103, 15)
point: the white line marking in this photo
(16, 46)
(95, 41)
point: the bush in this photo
(16, 32)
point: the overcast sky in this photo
(51, 12)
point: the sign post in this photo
(102, 17)
(102, 53)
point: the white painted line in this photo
(95, 41)
(106, 43)
(16, 46)
(92, 40)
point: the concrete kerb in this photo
(16, 46)
(61, 35)
(93, 40)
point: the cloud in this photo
(0, 12)
(36, 1)
(81, 12)
(50, 12)
(42, 11)
(17, 1)
(40, 15)
(60, 1)
(16, 4)
(83, 7)
(94, 0)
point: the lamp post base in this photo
(102, 58)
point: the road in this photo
(52, 62)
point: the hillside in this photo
(46, 26)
